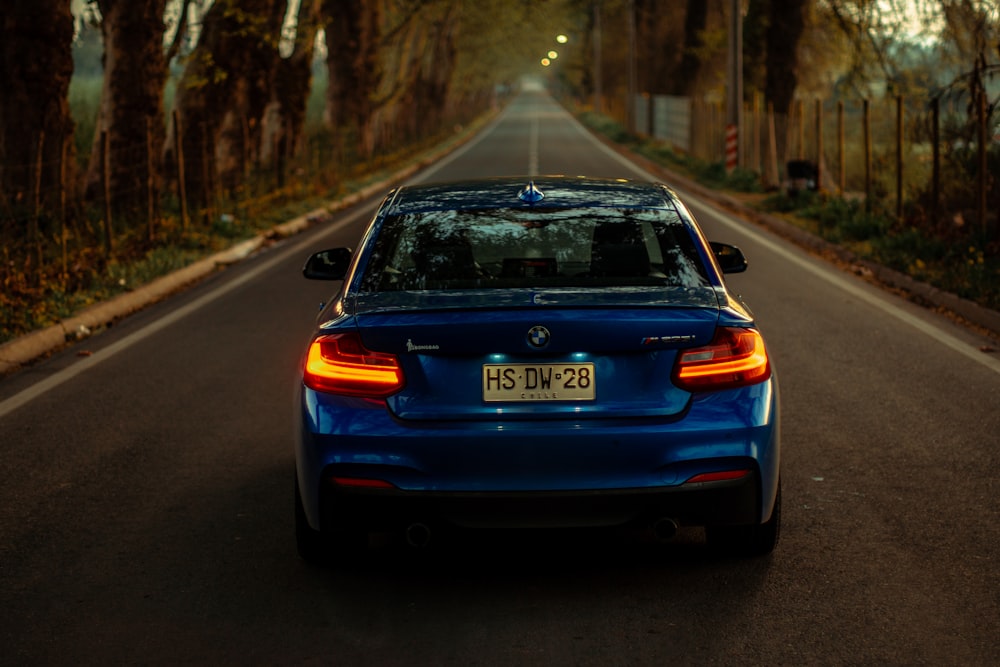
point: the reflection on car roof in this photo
(559, 192)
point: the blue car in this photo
(561, 352)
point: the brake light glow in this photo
(735, 358)
(363, 483)
(340, 364)
(721, 476)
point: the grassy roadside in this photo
(953, 259)
(30, 301)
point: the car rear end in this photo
(522, 367)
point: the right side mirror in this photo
(730, 258)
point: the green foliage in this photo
(608, 127)
(85, 105)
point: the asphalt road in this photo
(146, 497)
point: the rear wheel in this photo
(756, 540)
(311, 544)
(343, 544)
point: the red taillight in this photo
(734, 358)
(721, 476)
(362, 483)
(340, 364)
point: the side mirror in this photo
(328, 264)
(730, 258)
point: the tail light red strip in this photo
(735, 358)
(340, 364)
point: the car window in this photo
(511, 248)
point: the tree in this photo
(695, 23)
(224, 91)
(36, 65)
(786, 22)
(131, 99)
(352, 41)
(285, 115)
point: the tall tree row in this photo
(397, 70)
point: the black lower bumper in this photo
(715, 503)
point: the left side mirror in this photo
(328, 264)
(731, 259)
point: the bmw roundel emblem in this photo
(538, 337)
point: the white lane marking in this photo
(17, 400)
(819, 270)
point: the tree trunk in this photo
(432, 90)
(131, 99)
(352, 39)
(36, 65)
(286, 111)
(695, 22)
(787, 22)
(224, 91)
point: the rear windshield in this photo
(586, 247)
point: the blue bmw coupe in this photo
(561, 352)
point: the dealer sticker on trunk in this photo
(538, 382)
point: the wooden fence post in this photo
(899, 158)
(936, 166)
(774, 172)
(179, 155)
(982, 181)
(800, 109)
(819, 145)
(150, 185)
(840, 147)
(62, 210)
(36, 201)
(109, 243)
(867, 128)
(756, 157)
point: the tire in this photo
(748, 541)
(312, 545)
(346, 544)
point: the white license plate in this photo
(538, 382)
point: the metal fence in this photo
(885, 148)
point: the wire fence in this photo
(921, 158)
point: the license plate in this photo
(538, 382)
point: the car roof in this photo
(523, 193)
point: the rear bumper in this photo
(540, 473)
(711, 503)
